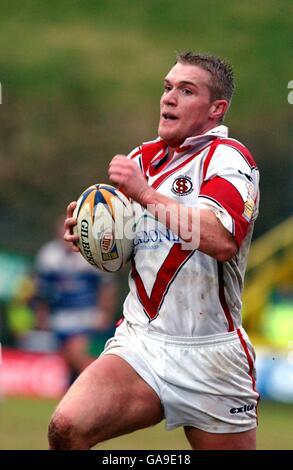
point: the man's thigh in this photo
(109, 399)
(201, 440)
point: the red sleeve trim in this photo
(226, 195)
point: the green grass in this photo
(23, 425)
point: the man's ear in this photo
(218, 109)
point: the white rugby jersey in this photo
(187, 293)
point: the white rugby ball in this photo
(105, 227)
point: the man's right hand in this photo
(69, 223)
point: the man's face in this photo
(185, 106)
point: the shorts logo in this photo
(182, 186)
(241, 409)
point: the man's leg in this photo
(201, 440)
(107, 400)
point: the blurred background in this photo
(80, 82)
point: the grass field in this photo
(23, 425)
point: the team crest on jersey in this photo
(182, 185)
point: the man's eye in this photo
(186, 91)
(167, 88)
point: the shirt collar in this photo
(196, 143)
(200, 140)
(203, 139)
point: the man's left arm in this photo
(200, 228)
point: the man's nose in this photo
(170, 98)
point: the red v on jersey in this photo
(172, 264)
(176, 257)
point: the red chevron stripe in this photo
(166, 275)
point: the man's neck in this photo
(172, 150)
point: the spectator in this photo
(73, 300)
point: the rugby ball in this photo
(105, 227)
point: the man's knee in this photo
(63, 435)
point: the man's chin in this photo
(168, 137)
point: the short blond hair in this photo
(222, 77)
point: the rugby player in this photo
(180, 353)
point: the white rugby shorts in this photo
(206, 382)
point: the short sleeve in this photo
(231, 186)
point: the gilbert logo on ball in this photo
(84, 240)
